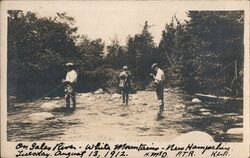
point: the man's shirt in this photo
(124, 79)
(71, 76)
(160, 76)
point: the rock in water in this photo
(85, 94)
(180, 106)
(50, 106)
(38, 117)
(204, 110)
(206, 113)
(98, 97)
(115, 96)
(240, 116)
(168, 90)
(196, 100)
(194, 136)
(235, 131)
(99, 91)
(12, 99)
(238, 124)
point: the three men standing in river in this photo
(124, 84)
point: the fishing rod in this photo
(49, 92)
(110, 95)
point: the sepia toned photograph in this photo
(125, 72)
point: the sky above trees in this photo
(107, 19)
(121, 19)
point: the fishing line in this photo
(47, 94)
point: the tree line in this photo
(205, 54)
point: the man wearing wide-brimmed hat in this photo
(159, 80)
(125, 83)
(70, 81)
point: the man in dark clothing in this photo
(125, 84)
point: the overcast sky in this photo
(119, 19)
(105, 19)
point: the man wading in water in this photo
(125, 84)
(159, 80)
(70, 81)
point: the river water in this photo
(97, 119)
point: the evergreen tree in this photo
(117, 54)
(171, 48)
(214, 45)
(143, 50)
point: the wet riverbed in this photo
(96, 119)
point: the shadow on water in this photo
(159, 117)
(20, 128)
(219, 119)
(64, 110)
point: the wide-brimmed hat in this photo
(154, 65)
(125, 67)
(70, 64)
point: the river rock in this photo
(115, 96)
(204, 110)
(194, 136)
(98, 97)
(50, 106)
(99, 91)
(235, 131)
(86, 94)
(180, 106)
(238, 124)
(12, 99)
(196, 100)
(240, 116)
(167, 90)
(37, 117)
(206, 113)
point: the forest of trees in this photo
(202, 54)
